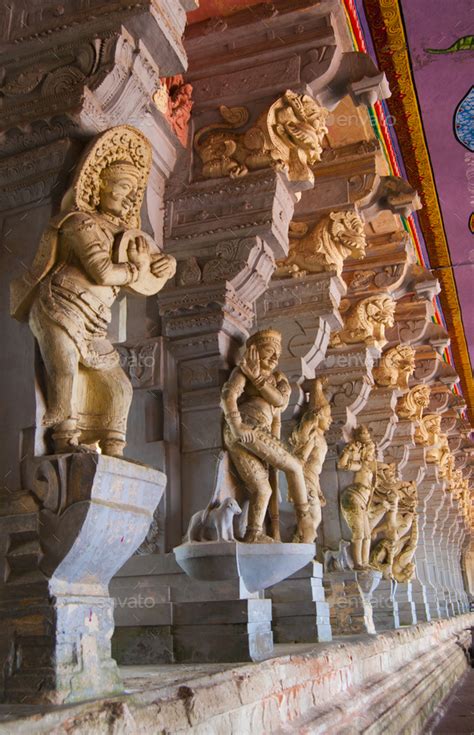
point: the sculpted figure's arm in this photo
(277, 396)
(231, 392)
(89, 244)
(350, 458)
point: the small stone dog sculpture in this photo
(338, 560)
(214, 523)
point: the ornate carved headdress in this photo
(265, 335)
(123, 150)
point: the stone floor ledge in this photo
(389, 683)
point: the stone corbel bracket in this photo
(305, 311)
(385, 268)
(430, 367)
(413, 324)
(97, 65)
(389, 193)
(293, 44)
(350, 381)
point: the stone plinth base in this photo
(388, 684)
(300, 611)
(385, 606)
(164, 616)
(222, 630)
(88, 514)
(349, 595)
(406, 604)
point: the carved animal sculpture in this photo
(366, 322)
(335, 238)
(338, 560)
(214, 523)
(396, 367)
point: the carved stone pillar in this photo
(61, 545)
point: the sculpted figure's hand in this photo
(243, 433)
(250, 363)
(163, 266)
(139, 254)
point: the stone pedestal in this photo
(222, 630)
(299, 608)
(164, 616)
(84, 518)
(349, 595)
(385, 606)
(420, 599)
(406, 604)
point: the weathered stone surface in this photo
(258, 565)
(388, 684)
(92, 512)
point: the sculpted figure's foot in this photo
(254, 536)
(305, 530)
(112, 447)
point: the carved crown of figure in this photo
(265, 336)
(396, 367)
(413, 403)
(120, 151)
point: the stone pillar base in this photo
(385, 607)
(299, 608)
(349, 594)
(406, 604)
(419, 596)
(87, 515)
(164, 616)
(222, 631)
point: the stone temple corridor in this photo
(237, 395)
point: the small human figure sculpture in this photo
(75, 278)
(252, 400)
(310, 446)
(359, 456)
(214, 523)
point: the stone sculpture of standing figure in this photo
(91, 249)
(359, 456)
(310, 446)
(252, 400)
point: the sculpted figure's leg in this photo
(120, 398)
(254, 475)
(272, 451)
(355, 516)
(61, 361)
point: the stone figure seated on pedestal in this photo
(90, 250)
